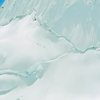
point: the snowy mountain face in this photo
(51, 46)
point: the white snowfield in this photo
(50, 50)
(70, 76)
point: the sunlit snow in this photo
(49, 50)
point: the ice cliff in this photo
(74, 20)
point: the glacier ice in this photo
(1, 2)
(84, 14)
(55, 40)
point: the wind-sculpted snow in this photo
(25, 48)
(54, 43)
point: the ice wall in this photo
(74, 20)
